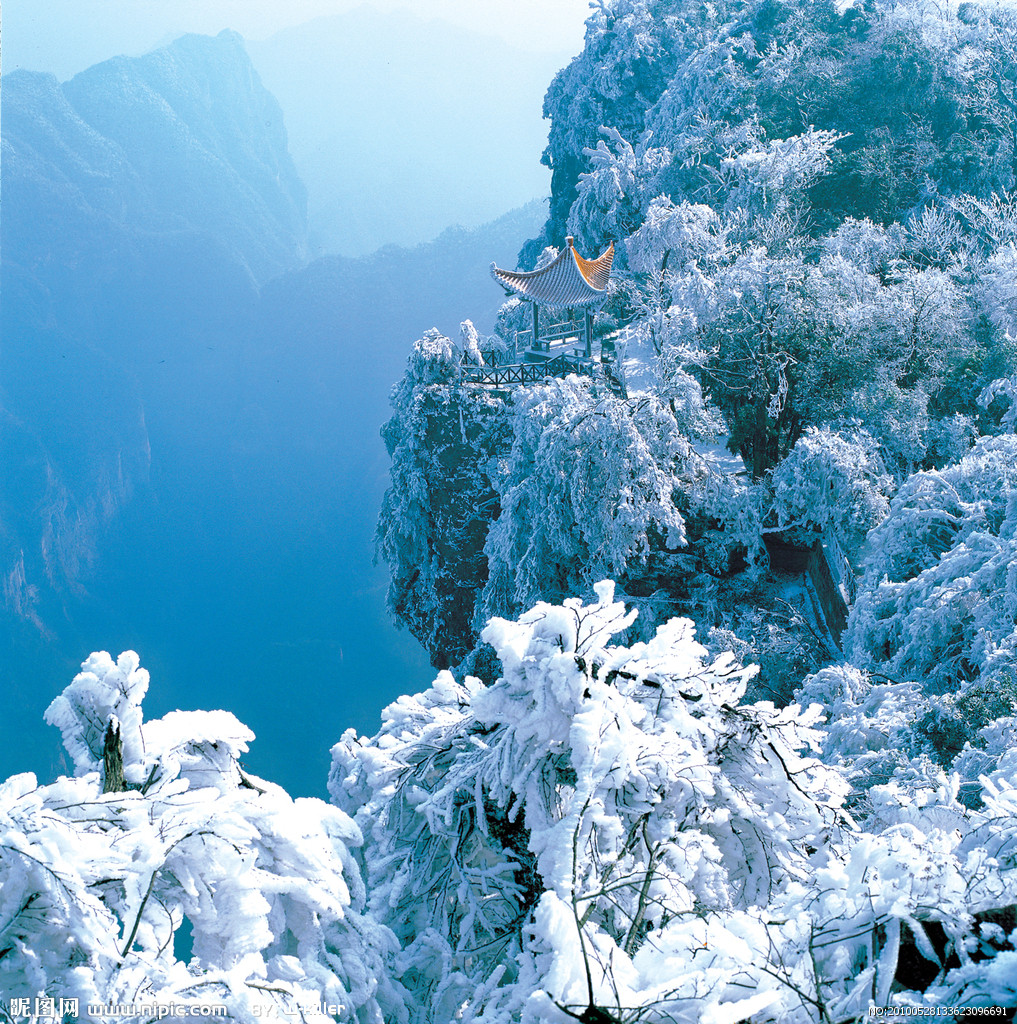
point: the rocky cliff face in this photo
(143, 201)
(444, 442)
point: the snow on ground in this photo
(637, 361)
(719, 457)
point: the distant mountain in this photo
(143, 200)
(142, 203)
(401, 126)
(332, 338)
(184, 140)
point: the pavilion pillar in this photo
(536, 324)
(589, 334)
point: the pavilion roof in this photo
(567, 281)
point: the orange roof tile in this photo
(568, 280)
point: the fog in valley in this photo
(216, 257)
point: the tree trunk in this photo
(113, 759)
(759, 440)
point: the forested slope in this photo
(816, 257)
(817, 244)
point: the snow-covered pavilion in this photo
(568, 282)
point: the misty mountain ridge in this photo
(183, 139)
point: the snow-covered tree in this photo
(95, 881)
(586, 490)
(614, 194)
(937, 600)
(1002, 391)
(830, 482)
(564, 838)
(610, 833)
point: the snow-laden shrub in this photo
(830, 482)
(1002, 391)
(949, 890)
(677, 239)
(877, 731)
(949, 439)
(872, 248)
(938, 600)
(94, 885)
(881, 730)
(955, 826)
(770, 176)
(608, 833)
(898, 417)
(997, 287)
(695, 418)
(433, 358)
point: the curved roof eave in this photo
(568, 280)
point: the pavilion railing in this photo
(551, 332)
(526, 373)
(510, 366)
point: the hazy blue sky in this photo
(66, 36)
